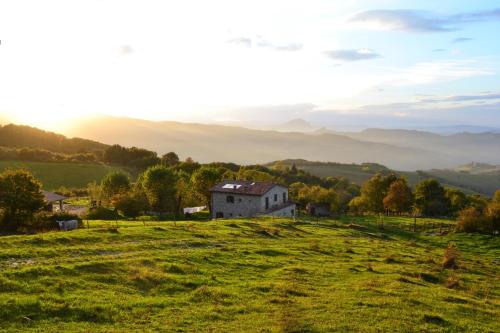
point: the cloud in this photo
(462, 39)
(463, 98)
(126, 49)
(438, 50)
(404, 20)
(422, 21)
(260, 42)
(241, 41)
(279, 47)
(351, 54)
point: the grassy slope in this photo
(244, 275)
(55, 175)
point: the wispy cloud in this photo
(462, 39)
(463, 98)
(351, 54)
(422, 21)
(438, 50)
(279, 47)
(242, 41)
(263, 43)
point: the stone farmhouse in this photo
(237, 198)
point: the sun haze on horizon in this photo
(239, 62)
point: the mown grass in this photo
(248, 275)
(54, 175)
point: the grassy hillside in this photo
(55, 175)
(247, 276)
(484, 183)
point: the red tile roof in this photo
(243, 187)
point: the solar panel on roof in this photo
(231, 186)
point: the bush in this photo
(471, 220)
(102, 213)
(450, 257)
(47, 221)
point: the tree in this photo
(375, 190)
(203, 180)
(254, 175)
(115, 183)
(170, 159)
(458, 199)
(430, 198)
(471, 219)
(131, 204)
(399, 198)
(318, 195)
(358, 205)
(159, 185)
(20, 198)
(493, 215)
(496, 196)
(477, 201)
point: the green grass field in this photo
(248, 276)
(55, 175)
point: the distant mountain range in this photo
(398, 149)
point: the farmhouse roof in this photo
(243, 187)
(52, 197)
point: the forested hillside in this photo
(485, 183)
(20, 136)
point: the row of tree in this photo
(391, 194)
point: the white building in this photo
(237, 198)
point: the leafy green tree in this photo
(203, 180)
(477, 201)
(115, 183)
(131, 204)
(496, 196)
(358, 205)
(255, 175)
(160, 186)
(20, 198)
(375, 190)
(493, 215)
(430, 198)
(458, 200)
(399, 198)
(170, 159)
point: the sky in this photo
(373, 63)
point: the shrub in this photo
(102, 213)
(48, 221)
(450, 257)
(471, 220)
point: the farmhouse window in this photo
(284, 197)
(267, 202)
(230, 199)
(275, 197)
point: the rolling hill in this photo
(208, 143)
(20, 136)
(469, 182)
(464, 147)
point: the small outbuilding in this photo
(55, 202)
(316, 209)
